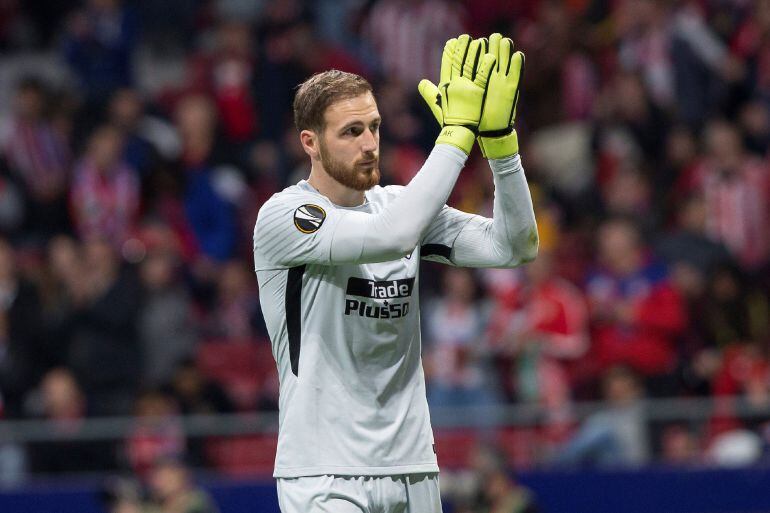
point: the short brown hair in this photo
(318, 92)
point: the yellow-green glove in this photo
(429, 92)
(497, 138)
(458, 99)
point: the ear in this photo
(309, 141)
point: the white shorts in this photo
(410, 493)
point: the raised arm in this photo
(510, 237)
(396, 230)
(332, 235)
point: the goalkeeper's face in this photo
(349, 147)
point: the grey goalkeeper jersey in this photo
(346, 338)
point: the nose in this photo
(368, 141)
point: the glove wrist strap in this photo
(458, 136)
(499, 147)
(496, 133)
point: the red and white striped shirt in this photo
(104, 204)
(738, 209)
(39, 155)
(408, 36)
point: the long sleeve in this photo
(507, 240)
(327, 234)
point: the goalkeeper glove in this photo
(458, 99)
(497, 138)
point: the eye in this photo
(375, 127)
(354, 131)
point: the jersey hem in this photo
(355, 471)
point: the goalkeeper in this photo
(337, 260)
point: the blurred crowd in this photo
(169, 489)
(138, 140)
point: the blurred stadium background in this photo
(627, 369)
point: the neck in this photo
(336, 192)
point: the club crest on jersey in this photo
(309, 218)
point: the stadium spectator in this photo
(736, 189)
(227, 74)
(315, 56)
(12, 202)
(210, 215)
(63, 403)
(687, 250)
(195, 393)
(616, 435)
(749, 42)
(104, 198)
(121, 495)
(546, 31)
(235, 313)
(539, 327)
(745, 372)
(636, 313)
(495, 490)
(680, 446)
(742, 374)
(630, 135)
(157, 432)
(19, 341)
(735, 310)
(754, 120)
(104, 352)
(21, 337)
(457, 364)
(407, 35)
(149, 137)
(681, 59)
(39, 155)
(694, 259)
(165, 325)
(98, 44)
(173, 490)
(58, 285)
(338, 22)
(628, 194)
(278, 66)
(682, 157)
(126, 113)
(13, 458)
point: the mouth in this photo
(367, 163)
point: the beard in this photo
(359, 176)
